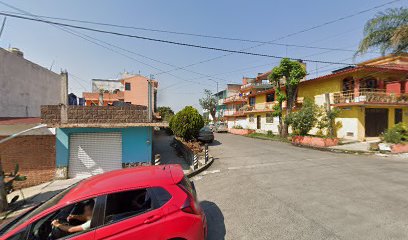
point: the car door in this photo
(122, 221)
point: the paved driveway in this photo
(260, 189)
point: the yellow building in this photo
(372, 96)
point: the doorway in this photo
(376, 121)
(258, 122)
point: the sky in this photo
(260, 20)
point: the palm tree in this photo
(387, 31)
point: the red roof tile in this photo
(19, 120)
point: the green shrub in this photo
(396, 134)
(269, 133)
(237, 127)
(187, 123)
(305, 119)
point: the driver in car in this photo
(86, 217)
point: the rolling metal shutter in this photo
(94, 153)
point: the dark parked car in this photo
(206, 135)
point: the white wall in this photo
(238, 121)
(349, 125)
(25, 86)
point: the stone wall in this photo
(51, 114)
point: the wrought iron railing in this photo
(257, 85)
(234, 99)
(369, 96)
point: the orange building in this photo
(132, 89)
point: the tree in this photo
(209, 102)
(387, 31)
(286, 78)
(305, 119)
(165, 112)
(187, 123)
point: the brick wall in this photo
(50, 114)
(35, 156)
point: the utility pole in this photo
(149, 98)
(64, 97)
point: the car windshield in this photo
(36, 210)
(205, 129)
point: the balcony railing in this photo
(257, 85)
(369, 96)
(234, 99)
(233, 113)
(267, 106)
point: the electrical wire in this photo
(168, 41)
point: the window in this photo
(127, 86)
(269, 118)
(127, 204)
(36, 210)
(251, 118)
(22, 234)
(82, 216)
(398, 115)
(270, 97)
(252, 101)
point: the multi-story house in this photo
(130, 89)
(25, 85)
(252, 108)
(231, 90)
(372, 97)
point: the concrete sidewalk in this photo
(31, 196)
(168, 154)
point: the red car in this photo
(155, 202)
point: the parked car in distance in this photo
(206, 135)
(153, 202)
(211, 126)
(221, 127)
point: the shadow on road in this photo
(215, 143)
(215, 220)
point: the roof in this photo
(119, 180)
(263, 76)
(383, 68)
(107, 125)
(19, 120)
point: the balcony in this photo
(369, 96)
(234, 113)
(261, 85)
(234, 99)
(259, 107)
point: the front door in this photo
(258, 122)
(376, 121)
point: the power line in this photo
(187, 34)
(165, 41)
(87, 38)
(289, 35)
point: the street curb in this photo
(201, 169)
(336, 150)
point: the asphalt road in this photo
(259, 189)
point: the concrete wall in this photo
(110, 85)
(135, 146)
(25, 86)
